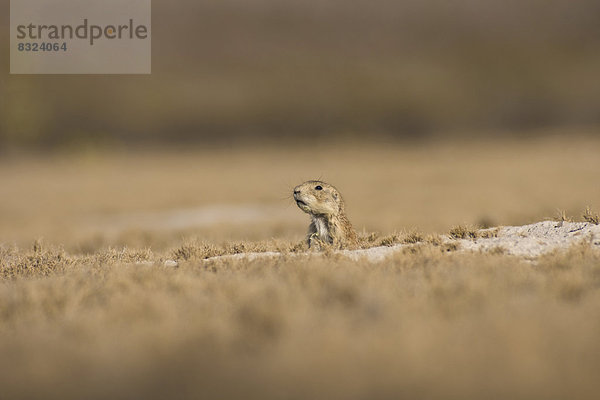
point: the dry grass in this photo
(464, 232)
(199, 250)
(590, 216)
(561, 216)
(426, 323)
(92, 312)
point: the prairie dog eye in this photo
(318, 187)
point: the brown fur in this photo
(329, 223)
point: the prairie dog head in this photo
(318, 198)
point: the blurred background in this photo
(269, 79)
(274, 70)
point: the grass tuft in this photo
(464, 232)
(413, 238)
(590, 216)
(561, 216)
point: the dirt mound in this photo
(527, 241)
(535, 239)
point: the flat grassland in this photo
(89, 310)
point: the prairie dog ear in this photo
(335, 195)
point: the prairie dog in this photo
(329, 223)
